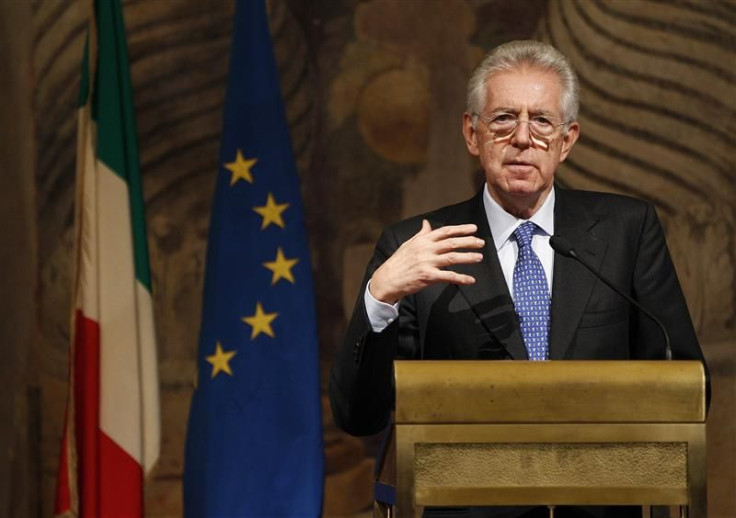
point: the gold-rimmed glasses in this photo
(542, 128)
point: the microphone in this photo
(563, 247)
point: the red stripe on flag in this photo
(121, 481)
(84, 412)
(87, 415)
(108, 479)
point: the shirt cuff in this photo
(380, 314)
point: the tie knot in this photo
(524, 234)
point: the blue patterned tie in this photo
(531, 295)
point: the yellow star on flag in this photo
(271, 212)
(240, 168)
(281, 267)
(221, 361)
(260, 322)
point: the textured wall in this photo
(657, 115)
(18, 397)
(657, 118)
(374, 92)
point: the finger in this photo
(452, 258)
(454, 230)
(455, 278)
(456, 243)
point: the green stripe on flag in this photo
(115, 115)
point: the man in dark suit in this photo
(478, 280)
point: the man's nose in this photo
(521, 137)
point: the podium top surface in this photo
(552, 391)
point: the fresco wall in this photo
(374, 92)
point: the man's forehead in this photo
(534, 88)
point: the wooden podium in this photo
(476, 433)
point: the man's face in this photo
(520, 168)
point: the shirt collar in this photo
(503, 224)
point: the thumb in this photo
(426, 227)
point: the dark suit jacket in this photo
(620, 236)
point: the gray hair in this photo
(516, 54)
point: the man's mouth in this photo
(519, 162)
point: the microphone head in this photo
(562, 246)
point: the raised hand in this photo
(419, 262)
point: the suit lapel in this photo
(572, 282)
(489, 297)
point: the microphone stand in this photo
(562, 246)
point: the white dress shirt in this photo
(502, 226)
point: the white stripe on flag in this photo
(149, 378)
(127, 343)
(86, 294)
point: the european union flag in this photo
(254, 444)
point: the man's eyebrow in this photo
(516, 111)
(505, 109)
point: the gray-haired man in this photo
(479, 280)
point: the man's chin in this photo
(524, 189)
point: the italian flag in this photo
(111, 435)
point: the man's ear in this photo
(470, 134)
(569, 139)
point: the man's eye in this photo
(542, 121)
(504, 117)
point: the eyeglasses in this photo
(503, 125)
